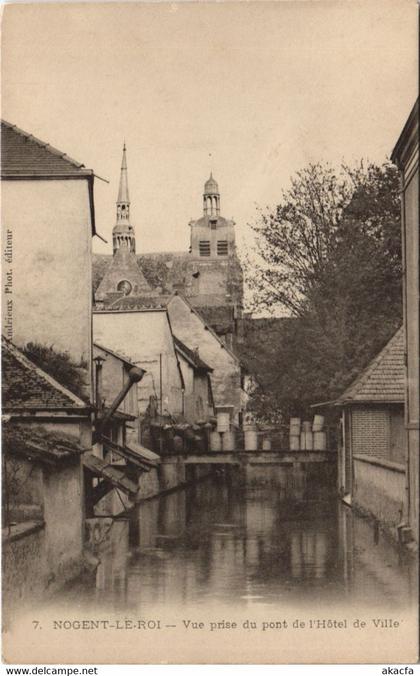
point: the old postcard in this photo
(210, 326)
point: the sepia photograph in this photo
(210, 332)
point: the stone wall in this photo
(379, 489)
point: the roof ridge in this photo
(370, 370)
(206, 325)
(43, 144)
(191, 354)
(373, 366)
(25, 361)
(119, 355)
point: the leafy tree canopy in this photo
(329, 255)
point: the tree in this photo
(330, 255)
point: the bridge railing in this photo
(182, 440)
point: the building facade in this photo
(372, 458)
(48, 220)
(209, 275)
(406, 157)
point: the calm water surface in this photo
(214, 543)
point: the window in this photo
(125, 286)
(204, 247)
(222, 247)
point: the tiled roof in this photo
(26, 386)
(219, 317)
(384, 379)
(24, 155)
(191, 356)
(140, 303)
(37, 443)
(117, 355)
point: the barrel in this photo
(266, 444)
(223, 421)
(309, 441)
(294, 426)
(318, 423)
(303, 441)
(228, 441)
(215, 441)
(199, 444)
(251, 440)
(320, 441)
(294, 442)
(178, 444)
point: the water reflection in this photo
(217, 543)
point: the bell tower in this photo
(123, 232)
(211, 198)
(212, 236)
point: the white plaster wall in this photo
(51, 263)
(226, 376)
(143, 337)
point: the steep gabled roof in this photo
(25, 156)
(208, 328)
(26, 386)
(117, 355)
(191, 356)
(383, 381)
(123, 267)
(22, 154)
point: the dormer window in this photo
(204, 247)
(222, 247)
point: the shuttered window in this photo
(222, 247)
(204, 247)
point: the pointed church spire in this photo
(123, 196)
(123, 232)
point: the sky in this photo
(251, 90)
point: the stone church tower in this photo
(217, 276)
(212, 236)
(123, 276)
(209, 275)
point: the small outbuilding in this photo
(372, 462)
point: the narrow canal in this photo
(215, 543)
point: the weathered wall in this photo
(201, 231)
(50, 228)
(196, 396)
(63, 515)
(410, 224)
(143, 336)
(43, 561)
(171, 473)
(114, 377)
(149, 484)
(379, 488)
(24, 570)
(226, 376)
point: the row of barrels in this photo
(228, 441)
(307, 436)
